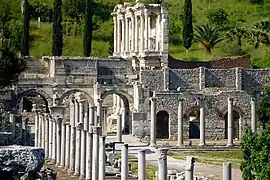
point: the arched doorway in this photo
(235, 125)
(162, 124)
(192, 116)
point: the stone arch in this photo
(127, 100)
(69, 92)
(162, 124)
(46, 97)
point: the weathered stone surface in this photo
(20, 159)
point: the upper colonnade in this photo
(140, 30)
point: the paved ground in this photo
(211, 171)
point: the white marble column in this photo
(119, 128)
(67, 151)
(91, 116)
(147, 26)
(230, 122)
(81, 111)
(127, 35)
(189, 169)
(253, 116)
(153, 122)
(136, 44)
(50, 138)
(202, 125)
(114, 35)
(39, 130)
(158, 32)
(76, 111)
(142, 33)
(141, 165)
(95, 155)
(36, 129)
(83, 155)
(180, 141)
(89, 151)
(124, 162)
(43, 131)
(73, 115)
(86, 117)
(123, 36)
(54, 148)
(63, 145)
(47, 136)
(102, 159)
(58, 138)
(99, 115)
(118, 36)
(133, 33)
(227, 171)
(162, 164)
(79, 127)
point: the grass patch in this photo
(150, 170)
(216, 157)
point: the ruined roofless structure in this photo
(138, 85)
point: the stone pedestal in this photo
(79, 127)
(124, 162)
(202, 126)
(227, 171)
(180, 141)
(95, 160)
(102, 160)
(253, 116)
(230, 122)
(89, 151)
(119, 128)
(162, 164)
(141, 165)
(189, 169)
(153, 122)
(67, 153)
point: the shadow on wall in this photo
(223, 63)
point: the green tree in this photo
(74, 9)
(263, 26)
(10, 65)
(88, 29)
(25, 37)
(187, 25)
(263, 110)
(57, 38)
(236, 34)
(111, 44)
(218, 17)
(256, 37)
(207, 36)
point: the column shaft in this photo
(202, 127)
(78, 150)
(153, 122)
(162, 165)
(89, 150)
(36, 130)
(142, 33)
(50, 138)
(83, 156)
(114, 35)
(146, 39)
(99, 116)
(119, 128)
(63, 145)
(39, 130)
(58, 156)
(72, 149)
(76, 111)
(67, 153)
(189, 169)
(86, 118)
(253, 116)
(136, 34)
(43, 131)
(91, 117)
(141, 165)
(227, 171)
(54, 142)
(158, 33)
(124, 162)
(180, 124)
(95, 160)
(230, 121)
(102, 160)
(47, 136)
(123, 36)
(133, 34)
(127, 35)
(119, 36)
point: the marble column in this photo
(119, 128)
(86, 117)
(89, 151)
(141, 165)
(79, 127)
(227, 171)
(127, 35)
(24, 132)
(133, 34)
(81, 111)
(102, 159)
(76, 111)
(63, 145)
(158, 32)
(83, 155)
(73, 120)
(253, 116)
(39, 130)
(136, 44)
(58, 138)
(189, 169)
(67, 151)
(162, 164)
(230, 122)
(202, 125)
(180, 141)
(43, 131)
(123, 36)
(153, 122)
(118, 35)
(50, 138)
(142, 33)
(47, 135)
(36, 129)
(114, 35)
(124, 162)
(95, 154)
(146, 39)
(91, 116)
(99, 118)
(54, 148)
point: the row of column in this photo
(202, 122)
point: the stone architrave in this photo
(58, 141)
(67, 153)
(79, 127)
(153, 122)
(162, 164)
(230, 122)
(124, 162)
(227, 171)
(119, 128)
(95, 160)
(253, 115)
(63, 145)
(180, 141)
(89, 150)
(202, 125)
(102, 160)
(141, 165)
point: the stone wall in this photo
(220, 78)
(154, 80)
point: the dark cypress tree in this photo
(57, 38)
(111, 44)
(187, 24)
(87, 38)
(25, 38)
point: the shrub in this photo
(219, 17)
(41, 10)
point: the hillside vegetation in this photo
(224, 14)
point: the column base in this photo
(202, 144)
(66, 167)
(53, 161)
(180, 145)
(70, 172)
(76, 174)
(82, 177)
(230, 145)
(153, 145)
